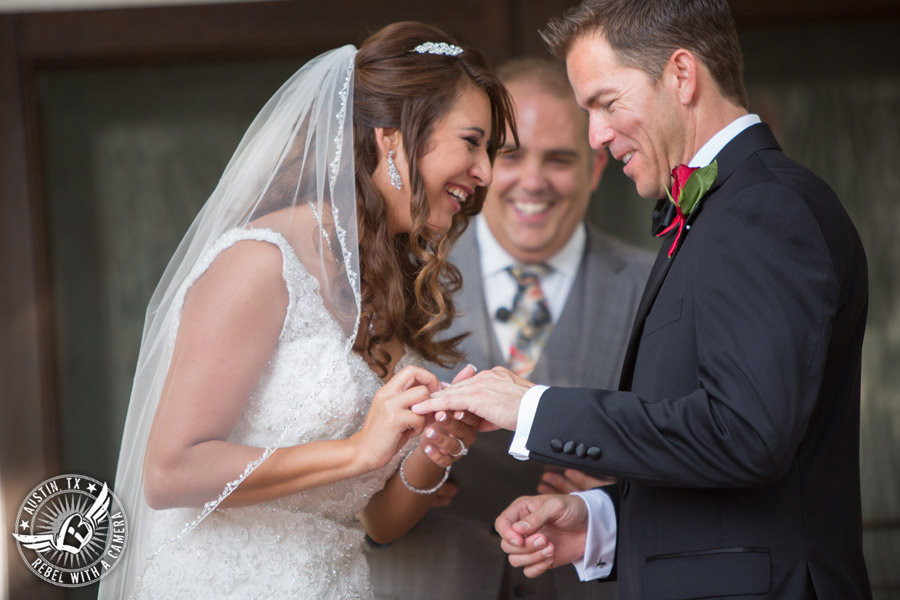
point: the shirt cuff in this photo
(600, 545)
(527, 409)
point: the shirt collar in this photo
(495, 259)
(711, 149)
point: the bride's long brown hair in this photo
(407, 283)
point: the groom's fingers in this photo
(532, 556)
(503, 525)
(448, 403)
(461, 396)
(465, 378)
(536, 543)
(486, 425)
(544, 509)
(514, 513)
(538, 569)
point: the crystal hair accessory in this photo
(438, 48)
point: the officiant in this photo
(551, 296)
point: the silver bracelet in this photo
(415, 489)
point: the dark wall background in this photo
(116, 124)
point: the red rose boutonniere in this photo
(691, 183)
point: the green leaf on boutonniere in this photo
(696, 186)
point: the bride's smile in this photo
(455, 163)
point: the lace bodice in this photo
(307, 545)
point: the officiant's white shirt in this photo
(500, 286)
(600, 547)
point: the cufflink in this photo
(580, 450)
(594, 452)
(600, 563)
(556, 445)
(569, 447)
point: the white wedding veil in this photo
(292, 172)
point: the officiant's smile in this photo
(542, 188)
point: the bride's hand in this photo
(448, 437)
(390, 423)
(448, 440)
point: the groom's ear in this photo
(682, 72)
(387, 138)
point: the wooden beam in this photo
(28, 431)
(284, 28)
(772, 11)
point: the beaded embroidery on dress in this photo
(304, 546)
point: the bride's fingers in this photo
(460, 424)
(443, 442)
(409, 397)
(438, 457)
(412, 375)
(470, 419)
(457, 429)
(465, 373)
(394, 413)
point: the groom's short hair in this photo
(645, 33)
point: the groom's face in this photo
(638, 119)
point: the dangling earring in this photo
(393, 172)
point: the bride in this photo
(268, 429)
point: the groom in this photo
(735, 429)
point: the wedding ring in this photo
(462, 449)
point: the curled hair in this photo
(407, 283)
(644, 34)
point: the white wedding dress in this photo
(304, 546)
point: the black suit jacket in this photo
(736, 426)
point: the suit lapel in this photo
(753, 139)
(749, 141)
(654, 281)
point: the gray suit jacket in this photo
(454, 552)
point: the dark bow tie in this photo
(663, 214)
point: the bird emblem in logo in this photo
(76, 531)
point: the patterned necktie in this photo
(531, 317)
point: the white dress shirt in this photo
(600, 545)
(500, 286)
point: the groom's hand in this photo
(492, 395)
(543, 532)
